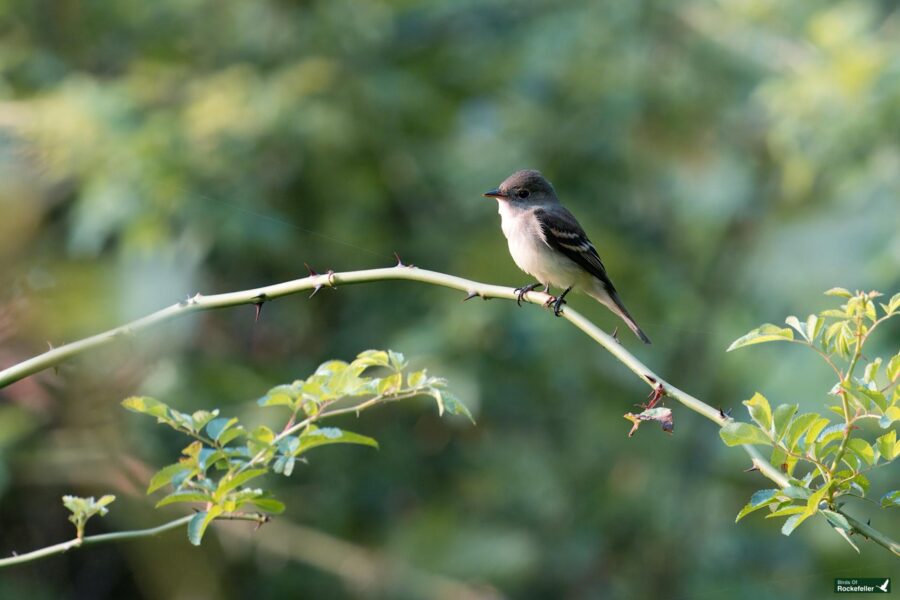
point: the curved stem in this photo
(93, 539)
(407, 273)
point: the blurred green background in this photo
(730, 159)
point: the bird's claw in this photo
(521, 291)
(557, 305)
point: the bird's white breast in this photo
(529, 250)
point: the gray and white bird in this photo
(546, 241)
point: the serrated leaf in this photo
(760, 411)
(758, 500)
(226, 485)
(836, 519)
(390, 384)
(782, 417)
(887, 445)
(893, 368)
(839, 292)
(797, 427)
(216, 427)
(417, 379)
(332, 435)
(147, 406)
(280, 395)
(200, 418)
(455, 406)
(198, 524)
(796, 492)
(890, 415)
(813, 327)
(862, 449)
(398, 361)
(737, 433)
(183, 497)
(891, 499)
(812, 434)
(373, 358)
(795, 323)
(268, 504)
(766, 333)
(165, 476)
(871, 371)
(784, 511)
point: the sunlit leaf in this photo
(891, 499)
(147, 406)
(736, 433)
(198, 524)
(781, 419)
(888, 446)
(766, 333)
(760, 411)
(183, 497)
(840, 292)
(166, 475)
(758, 500)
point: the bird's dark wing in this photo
(563, 233)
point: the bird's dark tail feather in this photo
(611, 299)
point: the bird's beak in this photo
(494, 194)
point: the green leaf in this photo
(269, 504)
(398, 361)
(165, 476)
(893, 368)
(759, 499)
(332, 435)
(280, 395)
(390, 384)
(183, 497)
(417, 379)
(796, 492)
(888, 446)
(782, 418)
(760, 411)
(792, 509)
(871, 371)
(201, 417)
(216, 427)
(862, 449)
(891, 499)
(798, 426)
(840, 292)
(455, 406)
(147, 406)
(226, 485)
(890, 415)
(736, 433)
(836, 519)
(372, 358)
(812, 434)
(813, 327)
(198, 524)
(793, 522)
(766, 333)
(795, 323)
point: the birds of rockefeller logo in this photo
(872, 585)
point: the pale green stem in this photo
(400, 272)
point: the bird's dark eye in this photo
(523, 193)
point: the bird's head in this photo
(525, 187)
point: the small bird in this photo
(546, 241)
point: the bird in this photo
(547, 242)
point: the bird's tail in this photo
(611, 300)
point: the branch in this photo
(402, 272)
(120, 535)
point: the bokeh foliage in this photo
(730, 159)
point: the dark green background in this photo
(731, 160)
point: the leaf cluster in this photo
(825, 457)
(221, 467)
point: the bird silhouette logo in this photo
(884, 586)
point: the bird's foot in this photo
(521, 291)
(559, 301)
(557, 305)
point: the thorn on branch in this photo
(313, 273)
(400, 262)
(615, 334)
(258, 304)
(751, 469)
(470, 295)
(724, 414)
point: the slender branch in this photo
(401, 272)
(121, 535)
(93, 539)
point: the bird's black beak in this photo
(494, 194)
